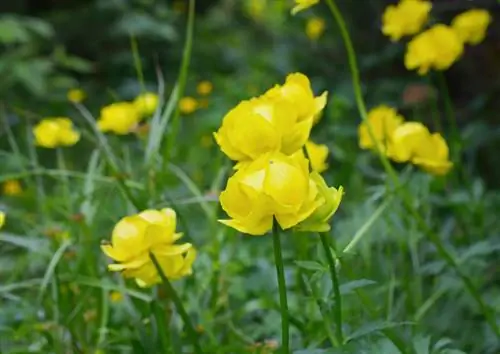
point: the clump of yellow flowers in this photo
(151, 231)
(405, 141)
(439, 46)
(266, 135)
(55, 132)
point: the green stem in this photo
(280, 272)
(406, 198)
(172, 294)
(452, 120)
(336, 286)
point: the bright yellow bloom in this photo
(315, 27)
(406, 18)
(204, 88)
(188, 105)
(119, 118)
(76, 95)
(318, 155)
(383, 120)
(437, 48)
(146, 104)
(12, 187)
(55, 132)
(405, 139)
(273, 185)
(2, 219)
(471, 25)
(134, 237)
(301, 5)
(115, 296)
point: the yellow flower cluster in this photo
(55, 132)
(266, 136)
(439, 46)
(405, 141)
(151, 231)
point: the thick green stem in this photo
(280, 272)
(336, 287)
(172, 294)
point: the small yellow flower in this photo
(204, 88)
(405, 139)
(115, 296)
(134, 237)
(406, 18)
(188, 105)
(471, 25)
(272, 185)
(315, 27)
(119, 118)
(55, 132)
(146, 104)
(76, 95)
(318, 155)
(301, 5)
(437, 48)
(383, 120)
(2, 219)
(12, 187)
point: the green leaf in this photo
(422, 344)
(355, 284)
(311, 265)
(374, 327)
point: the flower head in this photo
(151, 231)
(2, 219)
(383, 121)
(405, 140)
(55, 132)
(146, 104)
(119, 118)
(406, 18)
(301, 5)
(76, 95)
(204, 88)
(315, 27)
(471, 25)
(12, 187)
(188, 105)
(318, 155)
(437, 48)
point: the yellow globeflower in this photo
(204, 88)
(301, 5)
(134, 237)
(273, 185)
(146, 104)
(471, 25)
(55, 132)
(12, 187)
(119, 118)
(406, 18)
(318, 155)
(432, 155)
(315, 27)
(383, 120)
(76, 95)
(188, 105)
(2, 219)
(437, 48)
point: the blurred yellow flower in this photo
(471, 25)
(204, 88)
(318, 155)
(134, 237)
(115, 296)
(436, 48)
(273, 185)
(255, 8)
(12, 187)
(188, 105)
(301, 5)
(406, 18)
(55, 132)
(383, 121)
(146, 104)
(315, 27)
(119, 118)
(405, 140)
(76, 95)
(2, 219)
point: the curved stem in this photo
(172, 294)
(336, 287)
(280, 272)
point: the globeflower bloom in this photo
(151, 231)
(471, 25)
(146, 104)
(317, 154)
(55, 132)
(12, 187)
(301, 5)
(406, 18)
(76, 95)
(119, 118)
(383, 121)
(437, 48)
(315, 27)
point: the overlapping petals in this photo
(118, 118)
(406, 18)
(383, 121)
(471, 25)
(55, 132)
